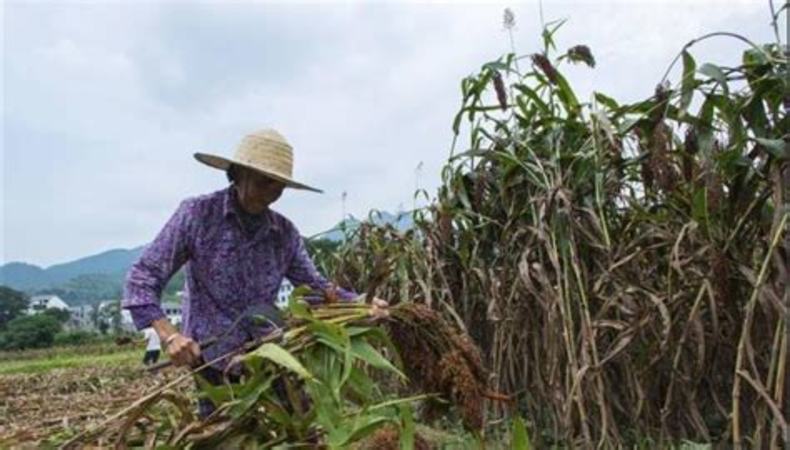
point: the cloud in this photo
(106, 102)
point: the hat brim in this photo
(221, 163)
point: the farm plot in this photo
(47, 397)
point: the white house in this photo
(81, 317)
(173, 312)
(284, 293)
(126, 320)
(39, 303)
(126, 324)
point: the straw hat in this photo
(265, 151)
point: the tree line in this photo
(20, 331)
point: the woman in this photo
(236, 252)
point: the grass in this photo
(93, 348)
(72, 359)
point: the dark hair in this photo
(232, 173)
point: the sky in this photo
(105, 102)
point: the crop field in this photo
(623, 266)
(65, 396)
(50, 393)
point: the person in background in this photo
(236, 251)
(153, 346)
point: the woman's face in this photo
(256, 191)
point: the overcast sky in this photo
(104, 103)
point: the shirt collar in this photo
(230, 207)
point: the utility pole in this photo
(417, 175)
(343, 211)
(343, 215)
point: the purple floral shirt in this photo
(228, 272)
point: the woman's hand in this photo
(379, 308)
(182, 350)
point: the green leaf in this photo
(520, 438)
(473, 152)
(252, 392)
(338, 436)
(607, 101)
(327, 414)
(364, 351)
(296, 305)
(687, 84)
(361, 384)
(301, 291)
(777, 147)
(462, 195)
(705, 130)
(754, 113)
(336, 341)
(331, 332)
(276, 412)
(644, 107)
(362, 425)
(754, 57)
(532, 95)
(480, 84)
(407, 427)
(216, 393)
(628, 124)
(404, 400)
(281, 357)
(566, 94)
(715, 72)
(465, 88)
(699, 207)
(726, 107)
(358, 331)
(348, 364)
(497, 65)
(548, 34)
(457, 121)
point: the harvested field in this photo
(37, 406)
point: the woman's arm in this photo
(148, 277)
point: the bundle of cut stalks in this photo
(438, 359)
(388, 438)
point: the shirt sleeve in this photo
(148, 276)
(144, 315)
(302, 271)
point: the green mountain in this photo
(22, 276)
(94, 277)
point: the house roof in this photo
(48, 301)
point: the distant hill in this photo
(106, 265)
(22, 276)
(109, 262)
(401, 222)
